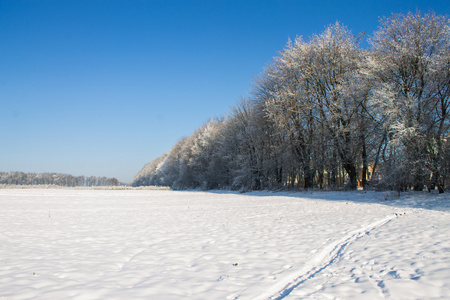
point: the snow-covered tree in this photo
(326, 113)
(318, 100)
(411, 66)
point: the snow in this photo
(142, 244)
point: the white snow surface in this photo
(143, 244)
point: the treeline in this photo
(328, 114)
(21, 178)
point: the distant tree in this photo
(21, 178)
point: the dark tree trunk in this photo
(350, 168)
(364, 160)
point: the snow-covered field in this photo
(88, 244)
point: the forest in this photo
(330, 114)
(58, 179)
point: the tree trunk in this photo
(308, 177)
(364, 160)
(350, 168)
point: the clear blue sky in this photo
(103, 87)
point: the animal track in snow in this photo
(320, 261)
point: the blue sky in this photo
(103, 87)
